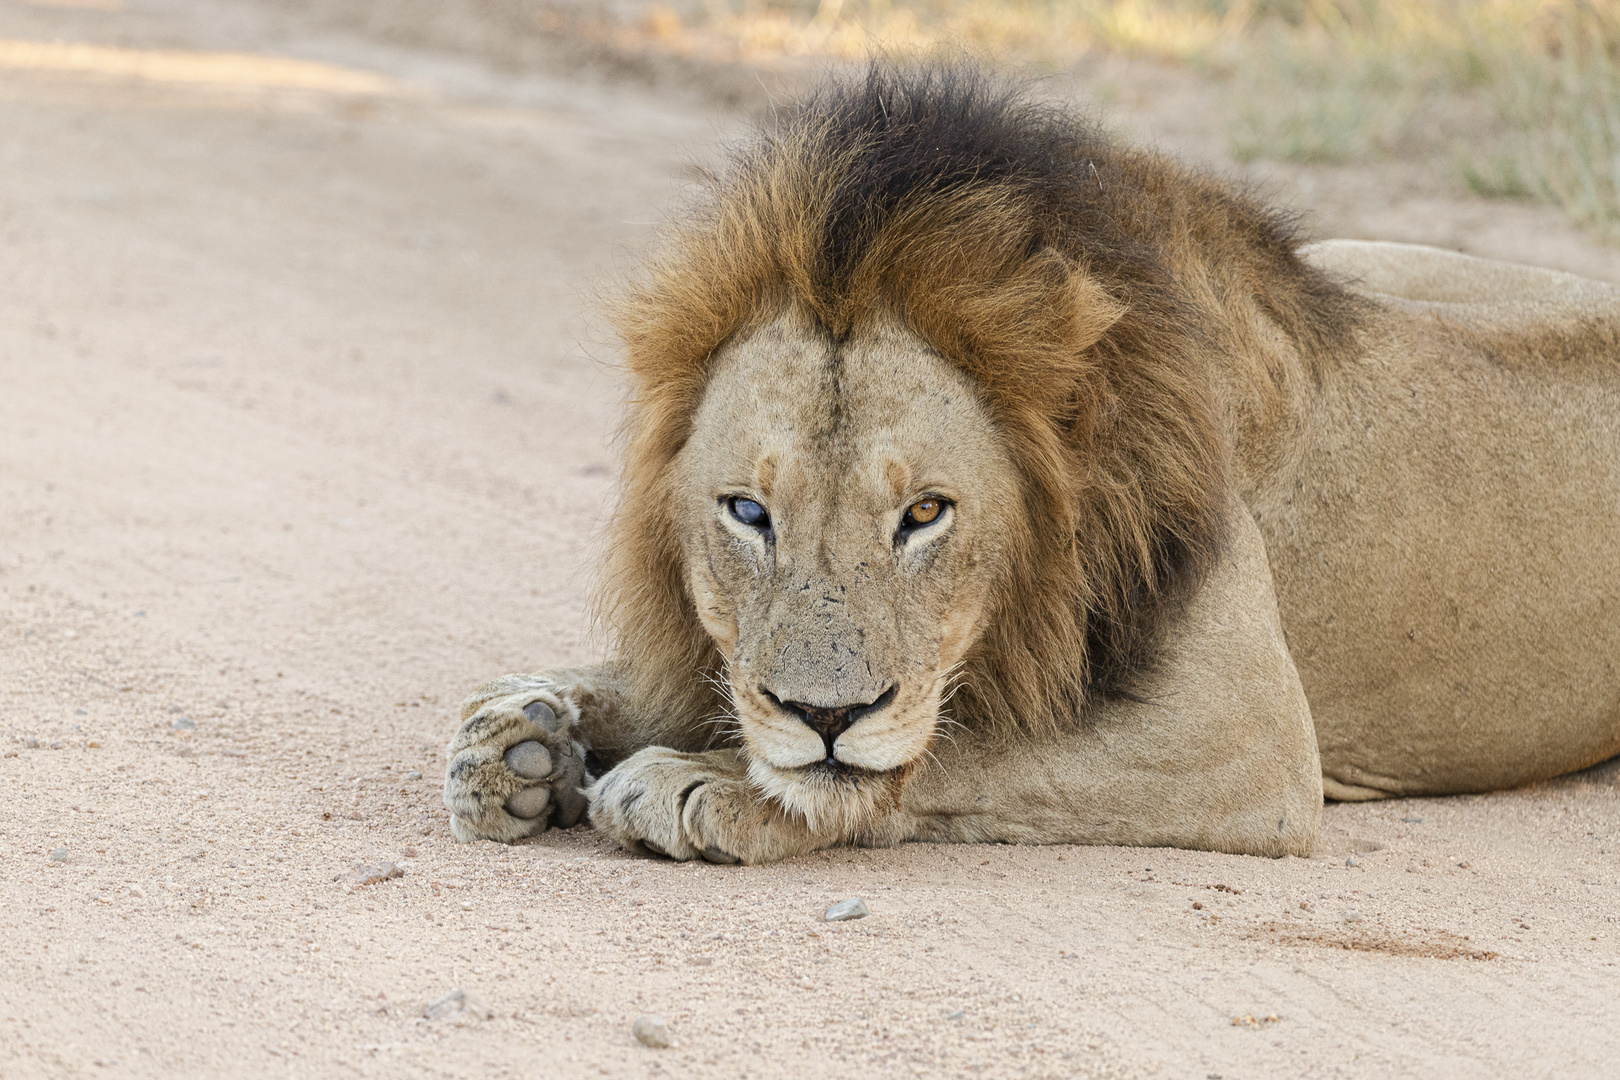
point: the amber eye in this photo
(922, 512)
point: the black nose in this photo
(830, 721)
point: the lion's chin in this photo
(830, 795)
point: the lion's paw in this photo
(692, 806)
(514, 766)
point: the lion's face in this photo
(845, 513)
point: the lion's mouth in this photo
(829, 791)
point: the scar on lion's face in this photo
(839, 499)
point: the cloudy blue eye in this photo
(748, 512)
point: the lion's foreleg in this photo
(691, 806)
(519, 761)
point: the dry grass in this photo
(1520, 97)
(1516, 97)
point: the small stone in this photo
(80, 712)
(56, 744)
(1351, 861)
(853, 908)
(31, 743)
(1352, 916)
(530, 760)
(459, 1008)
(185, 723)
(651, 1030)
(59, 854)
(368, 874)
(413, 775)
(957, 1015)
(1412, 820)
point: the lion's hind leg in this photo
(1344, 791)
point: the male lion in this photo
(987, 480)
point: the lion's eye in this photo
(922, 512)
(748, 512)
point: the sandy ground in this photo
(297, 444)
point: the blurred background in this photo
(1514, 98)
(1511, 99)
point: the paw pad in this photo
(540, 714)
(530, 760)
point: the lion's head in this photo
(922, 432)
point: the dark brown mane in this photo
(1070, 277)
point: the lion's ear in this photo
(1091, 309)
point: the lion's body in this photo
(1210, 525)
(1446, 547)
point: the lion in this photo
(988, 480)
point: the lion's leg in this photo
(517, 764)
(1217, 753)
(702, 805)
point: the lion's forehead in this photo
(876, 411)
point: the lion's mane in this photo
(1047, 262)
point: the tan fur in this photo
(1193, 482)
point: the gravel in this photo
(458, 1007)
(844, 910)
(651, 1030)
(369, 874)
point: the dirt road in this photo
(298, 443)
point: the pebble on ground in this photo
(853, 908)
(651, 1030)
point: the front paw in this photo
(694, 806)
(514, 766)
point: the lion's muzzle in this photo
(831, 721)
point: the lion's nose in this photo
(831, 721)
